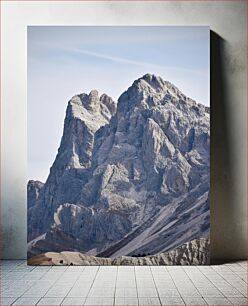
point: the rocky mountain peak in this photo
(147, 92)
(151, 91)
(90, 101)
(153, 84)
(92, 109)
(151, 80)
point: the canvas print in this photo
(118, 145)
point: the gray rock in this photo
(129, 180)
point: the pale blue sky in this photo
(64, 61)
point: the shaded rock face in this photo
(127, 180)
(196, 252)
(34, 189)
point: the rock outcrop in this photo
(196, 252)
(129, 180)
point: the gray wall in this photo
(227, 20)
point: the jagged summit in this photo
(85, 105)
(92, 109)
(151, 91)
(152, 80)
(151, 83)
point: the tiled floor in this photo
(207, 285)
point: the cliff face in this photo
(85, 114)
(129, 180)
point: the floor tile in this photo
(73, 301)
(104, 283)
(126, 283)
(238, 301)
(121, 301)
(230, 292)
(149, 301)
(41, 269)
(38, 290)
(91, 269)
(210, 292)
(75, 268)
(145, 283)
(26, 301)
(15, 275)
(164, 292)
(7, 300)
(126, 292)
(58, 269)
(147, 292)
(108, 269)
(165, 284)
(126, 269)
(107, 292)
(189, 292)
(83, 280)
(194, 301)
(50, 301)
(79, 291)
(217, 301)
(99, 301)
(58, 291)
(13, 292)
(166, 301)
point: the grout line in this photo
(155, 286)
(14, 301)
(38, 301)
(185, 271)
(135, 277)
(175, 285)
(98, 267)
(72, 284)
(117, 272)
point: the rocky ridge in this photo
(196, 252)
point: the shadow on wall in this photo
(223, 225)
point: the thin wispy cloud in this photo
(122, 60)
(119, 60)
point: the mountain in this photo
(129, 178)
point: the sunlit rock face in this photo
(130, 178)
